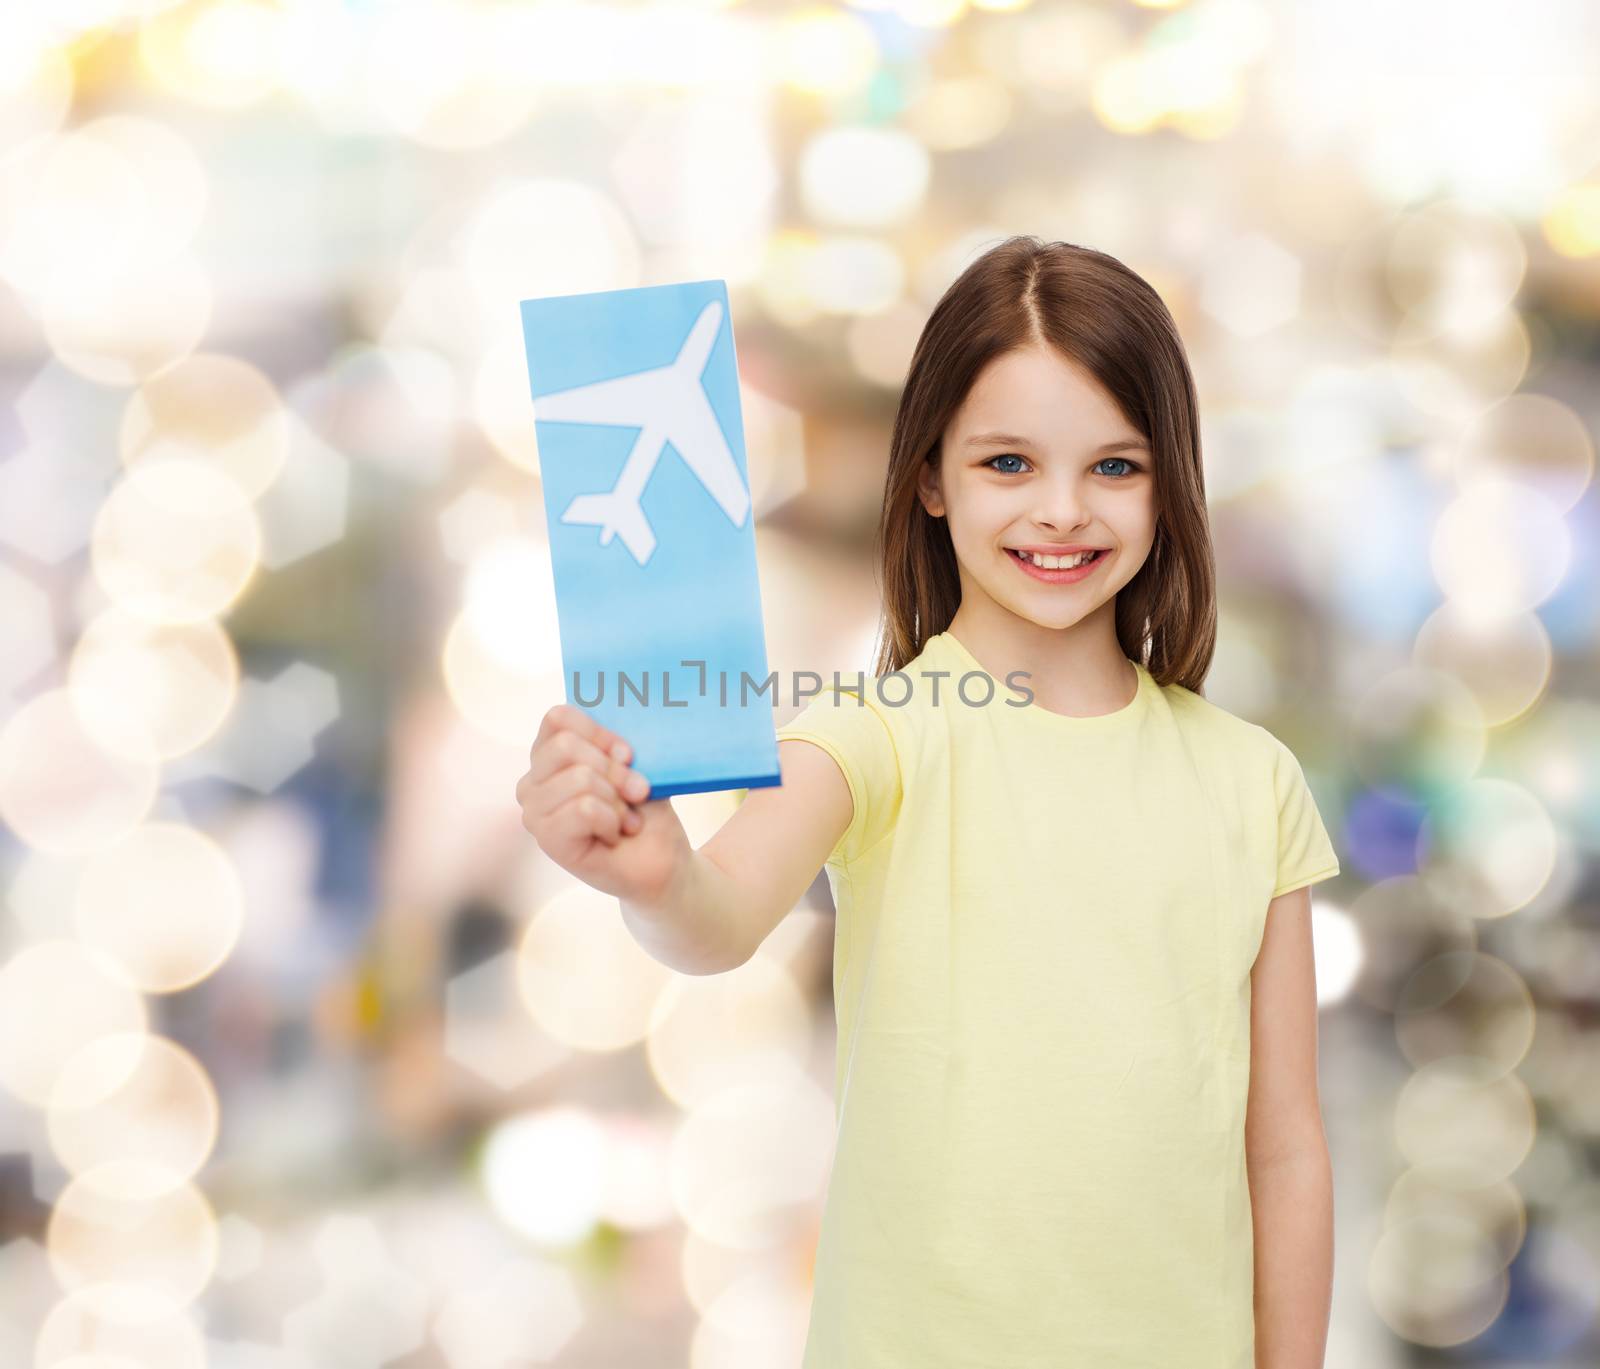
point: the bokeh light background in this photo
(309, 1059)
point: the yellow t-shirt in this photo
(1041, 979)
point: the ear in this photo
(928, 487)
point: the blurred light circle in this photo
(132, 1325)
(712, 1276)
(824, 51)
(35, 82)
(784, 284)
(71, 209)
(133, 1096)
(746, 1156)
(1496, 1209)
(57, 997)
(61, 790)
(1500, 546)
(224, 53)
(544, 1173)
(1465, 1003)
(539, 237)
(928, 13)
(1437, 1280)
(961, 112)
(1454, 377)
(448, 76)
(863, 177)
(30, 638)
(503, 702)
(1338, 952)
(1504, 660)
(511, 605)
(1416, 732)
(724, 203)
(218, 408)
(758, 1316)
(134, 1223)
(854, 275)
(501, 405)
(1051, 52)
(165, 903)
(118, 332)
(1488, 847)
(477, 517)
(176, 541)
(583, 977)
(1127, 94)
(636, 1195)
(1533, 441)
(1453, 269)
(152, 690)
(1464, 1122)
(1403, 922)
(172, 177)
(435, 306)
(710, 1032)
(1572, 221)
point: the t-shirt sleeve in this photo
(1305, 854)
(847, 725)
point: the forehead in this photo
(1037, 390)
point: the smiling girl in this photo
(1078, 1120)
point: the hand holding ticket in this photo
(588, 809)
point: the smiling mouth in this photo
(1027, 559)
(1056, 575)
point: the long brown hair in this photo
(1096, 312)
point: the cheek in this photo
(982, 506)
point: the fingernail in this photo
(620, 751)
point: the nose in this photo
(1061, 506)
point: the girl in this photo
(1078, 1120)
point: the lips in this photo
(1058, 576)
(1022, 554)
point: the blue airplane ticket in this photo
(652, 535)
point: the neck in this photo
(1079, 670)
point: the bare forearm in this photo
(1291, 1202)
(694, 927)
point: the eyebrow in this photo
(1013, 440)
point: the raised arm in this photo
(759, 862)
(699, 911)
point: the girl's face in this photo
(1072, 471)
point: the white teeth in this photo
(1058, 562)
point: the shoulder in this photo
(1251, 750)
(1200, 714)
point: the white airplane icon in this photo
(666, 404)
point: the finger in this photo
(566, 747)
(587, 815)
(567, 717)
(565, 785)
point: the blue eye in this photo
(1133, 468)
(1008, 456)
